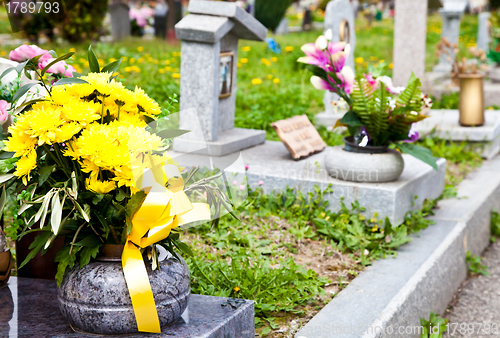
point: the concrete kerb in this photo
(389, 298)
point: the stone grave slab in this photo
(444, 124)
(272, 164)
(29, 308)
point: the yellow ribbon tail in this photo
(139, 288)
(200, 212)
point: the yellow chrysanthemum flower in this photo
(101, 83)
(21, 144)
(66, 132)
(100, 187)
(44, 122)
(25, 165)
(81, 112)
(145, 103)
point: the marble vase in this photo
(95, 298)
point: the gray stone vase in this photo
(364, 167)
(95, 298)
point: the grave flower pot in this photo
(471, 104)
(364, 164)
(95, 298)
(6, 261)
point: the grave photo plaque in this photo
(299, 136)
(225, 74)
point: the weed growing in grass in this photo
(475, 266)
(434, 327)
(495, 225)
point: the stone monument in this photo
(483, 32)
(339, 17)
(451, 13)
(120, 21)
(410, 29)
(209, 50)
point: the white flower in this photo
(329, 34)
(390, 86)
(321, 42)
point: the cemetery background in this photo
(271, 87)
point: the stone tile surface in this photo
(272, 163)
(29, 308)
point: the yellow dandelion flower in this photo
(274, 59)
(236, 289)
(246, 48)
(25, 165)
(176, 75)
(270, 77)
(167, 62)
(72, 50)
(359, 60)
(112, 60)
(161, 71)
(132, 60)
(244, 60)
(276, 80)
(265, 61)
(391, 65)
(239, 65)
(256, 81)
(124, 58)
(289, 49)
(99, 187)
(128, 69)
(140, 60)
(155, 62)
(140, 49)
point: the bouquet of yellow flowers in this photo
(89, 162)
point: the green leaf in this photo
(351, 119)
(44, 173)
(112, 67)
(56, 215)
(171, 133)
(87, 253)
(59, 59)
(69, 80)
(36, 245)
(422, 153)
(7, 71)
(3, 198)
(4, 155)
(20, 67)
(65, 260)
(184, 248)
(5, 177)
(23, 90)
(93, 62)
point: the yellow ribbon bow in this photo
(163, 209)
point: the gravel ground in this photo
(477, 303)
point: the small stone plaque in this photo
(299, 136)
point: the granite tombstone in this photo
(410, 30)
(209, 51)
(483, 31)
(120, 22)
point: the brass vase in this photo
(471, 104)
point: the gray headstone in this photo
(336, 13)
(210, 29)
(452, 15)
(282, 28)
(120, 22)
(483, 33)
(410, 30)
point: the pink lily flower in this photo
(60, 67)
(346, 75)
(3, 110)
(25, 52)
(316, 55)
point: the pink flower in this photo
(412, 134)
(25, 52)
(60, 67)
(242, 187)
(235, 182)
(261, 182)
(346, 76)
(247, 167)
(317, 56)
(3, 110)
(371, 81)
